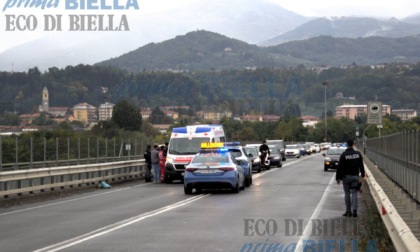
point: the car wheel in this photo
(259, 169)
(325, 168)
(247, 181)
(187, 189)
(280, 164)
(236, 188)
(243, 186)
(284, 158)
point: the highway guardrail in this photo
(41, 179)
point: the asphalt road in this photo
(284, 207)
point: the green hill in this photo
(202, 50)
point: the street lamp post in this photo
(325, 107)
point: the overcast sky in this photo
(373, 8)
(321, 8)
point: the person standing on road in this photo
(147, 158)
(155, 163)
(163, 162)
(265, 151)
(350, 166)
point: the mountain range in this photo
(253, 22)
(203, 50)
(348, 27)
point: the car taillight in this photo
(191, 169)
(225, 169)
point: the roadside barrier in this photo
(401, 235)
(41, 179)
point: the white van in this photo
(185, 142)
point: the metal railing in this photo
(398, 156)
(401, 235)
(28, 181)
(17, 153)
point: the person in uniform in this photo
(350, 166)
(265, 151)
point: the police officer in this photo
(265, 151)
(349, 167)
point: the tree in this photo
(9, 119)
(247, 133)
(158, 117)
(291, 129)
(42, 120)
(106, 129)
(127, 116)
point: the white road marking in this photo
(118, 225)
(306, 233)
(71, 200)
(284, 165)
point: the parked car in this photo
(275, 156)
(213, 169)
(331, 157)
(292, 150)
(242, 159)
(308, 149)
(317, 148)
(253, 155)
(302, 149)
(325, 146)
(280, 144)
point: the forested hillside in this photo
(203, 50)
(270, 91)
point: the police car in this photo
(242, 159)
(214, 167)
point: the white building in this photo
(105, 111)
(405, 114)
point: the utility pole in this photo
(325, 83)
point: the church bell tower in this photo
(45, 100)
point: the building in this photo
(163, 128)
(260, 118)
(84, 112)
(105, 111)
(44, 107)
(26, 119)
(353, 111)
(405, 114)
(309, 121)
(146, 112)
(58, 111)
(213, 116)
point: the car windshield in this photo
(292, 146)
(335, 151)
(235, 152)
(210, 159)
(186, 146)
(252, 151)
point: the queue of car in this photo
(226, 165)
(216, 164)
